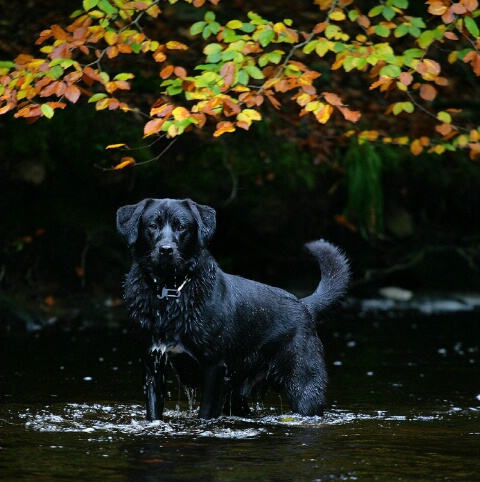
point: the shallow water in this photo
(404, 405)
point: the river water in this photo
(404, 404)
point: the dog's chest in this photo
(170, 327)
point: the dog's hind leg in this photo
(213, 391)
(306, 381)
(154, 379)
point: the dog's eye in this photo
(152, 226)
(181, 227)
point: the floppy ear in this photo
(206, 220)
(128, 219)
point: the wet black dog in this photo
(227, 334)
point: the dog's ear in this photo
(128, 219)
(206, 220)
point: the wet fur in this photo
(228, 334)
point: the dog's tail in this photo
(335, 270)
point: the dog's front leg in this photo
(213, 391)
(154, 379)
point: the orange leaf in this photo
(223, 127)
(72, 93)
(58, 32)
(153, 126)
(228, 73)
(126, 161)
(406, 78)
(332, 99)
(428, 92)
(167, 71)
(350, 115)
(444, 129)
(180, 72)
(416, 147)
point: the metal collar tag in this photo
(169, 293)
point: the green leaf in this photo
(388, 13)
(401, 30)
(212, 49)
(418, 22)
(230, 35)
(426, 38)
(322, 47)
(444, 117)
(247, 27)
(6, 64)
(391, 71)
(381, 30)
(107, 7)
(353, 15)
(47, 111)
(209, 17)
(376, 11)
(89, 4)
(136, 47)
(124, 76)
(242, 77)
(197, 28)
(414, 31)
(253, 71)
(96, 97)
(234, 55)
(309, 47)
(275, 57)
(266, 36)
(471, 26)
(55, 72)
(234, 24)
(408, 107)
(400, 3)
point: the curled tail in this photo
(335, 271)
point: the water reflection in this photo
(404, 405)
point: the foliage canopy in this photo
(378, 74)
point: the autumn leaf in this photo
(350, 115)
(115, 146)
(125, 161)
(153, 127)
(428, 92)
(223, 127)
(323, 115)
(72, 93)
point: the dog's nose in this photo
(166, 250)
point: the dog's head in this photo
(166, 234)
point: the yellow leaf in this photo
(368, 135)
(303, 99)
(311, 106)
(324, 114)
(223, 127)
(111, 37)
(180, 113)
(115, 146)
(172, 130)
(126, 161)
(173, 45)
(233, 24)
(249, 114)
(337, 15)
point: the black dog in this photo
(227, 334)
